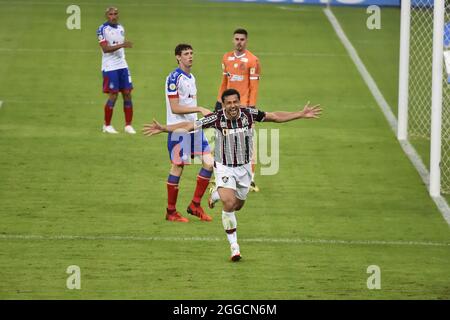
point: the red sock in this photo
(172, 193)
(202, 183)
(108, 115)
(128, 115)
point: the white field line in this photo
(128, 4)
(72, 102)
(294, 8)
(387, 111)
(1, 104)
(21, 101)
(295, 241)
(162, 52)
(229, 5)
(93, 3)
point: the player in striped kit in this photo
(233, 152)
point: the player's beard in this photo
(233, 112)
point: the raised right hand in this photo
(152, 128)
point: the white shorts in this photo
(236, 178)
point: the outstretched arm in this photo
(308, 112)
(178, 109)
(156, 128)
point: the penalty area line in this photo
(407, 147)
(295, 241)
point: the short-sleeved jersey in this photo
(182, 86)
(234, 138)
(112, 35)
(241, 73)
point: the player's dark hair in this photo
(241, 31)
(230, 92)
(181, 47)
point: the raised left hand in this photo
(311, 112)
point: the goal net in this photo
(420, 82)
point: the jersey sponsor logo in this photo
(226, 132)
(210, 119)
(237, 77)
(253, 111)
(206, 120)
(244, 59)
(231, 58)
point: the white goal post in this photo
(424, 92)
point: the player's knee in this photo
(176, 169)
(208, 161)
(113, 97)
(208, 165)
(126, 96)
(228, 205)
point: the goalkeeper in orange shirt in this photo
(241, 71)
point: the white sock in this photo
(229, 222)
(232, 238)
(215, 196)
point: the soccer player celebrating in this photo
(116, 77)
(241, 71)
(181, 105)
(233, 151)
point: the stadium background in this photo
(345, 197)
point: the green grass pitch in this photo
(71, 195)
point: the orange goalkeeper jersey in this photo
(241, 73)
